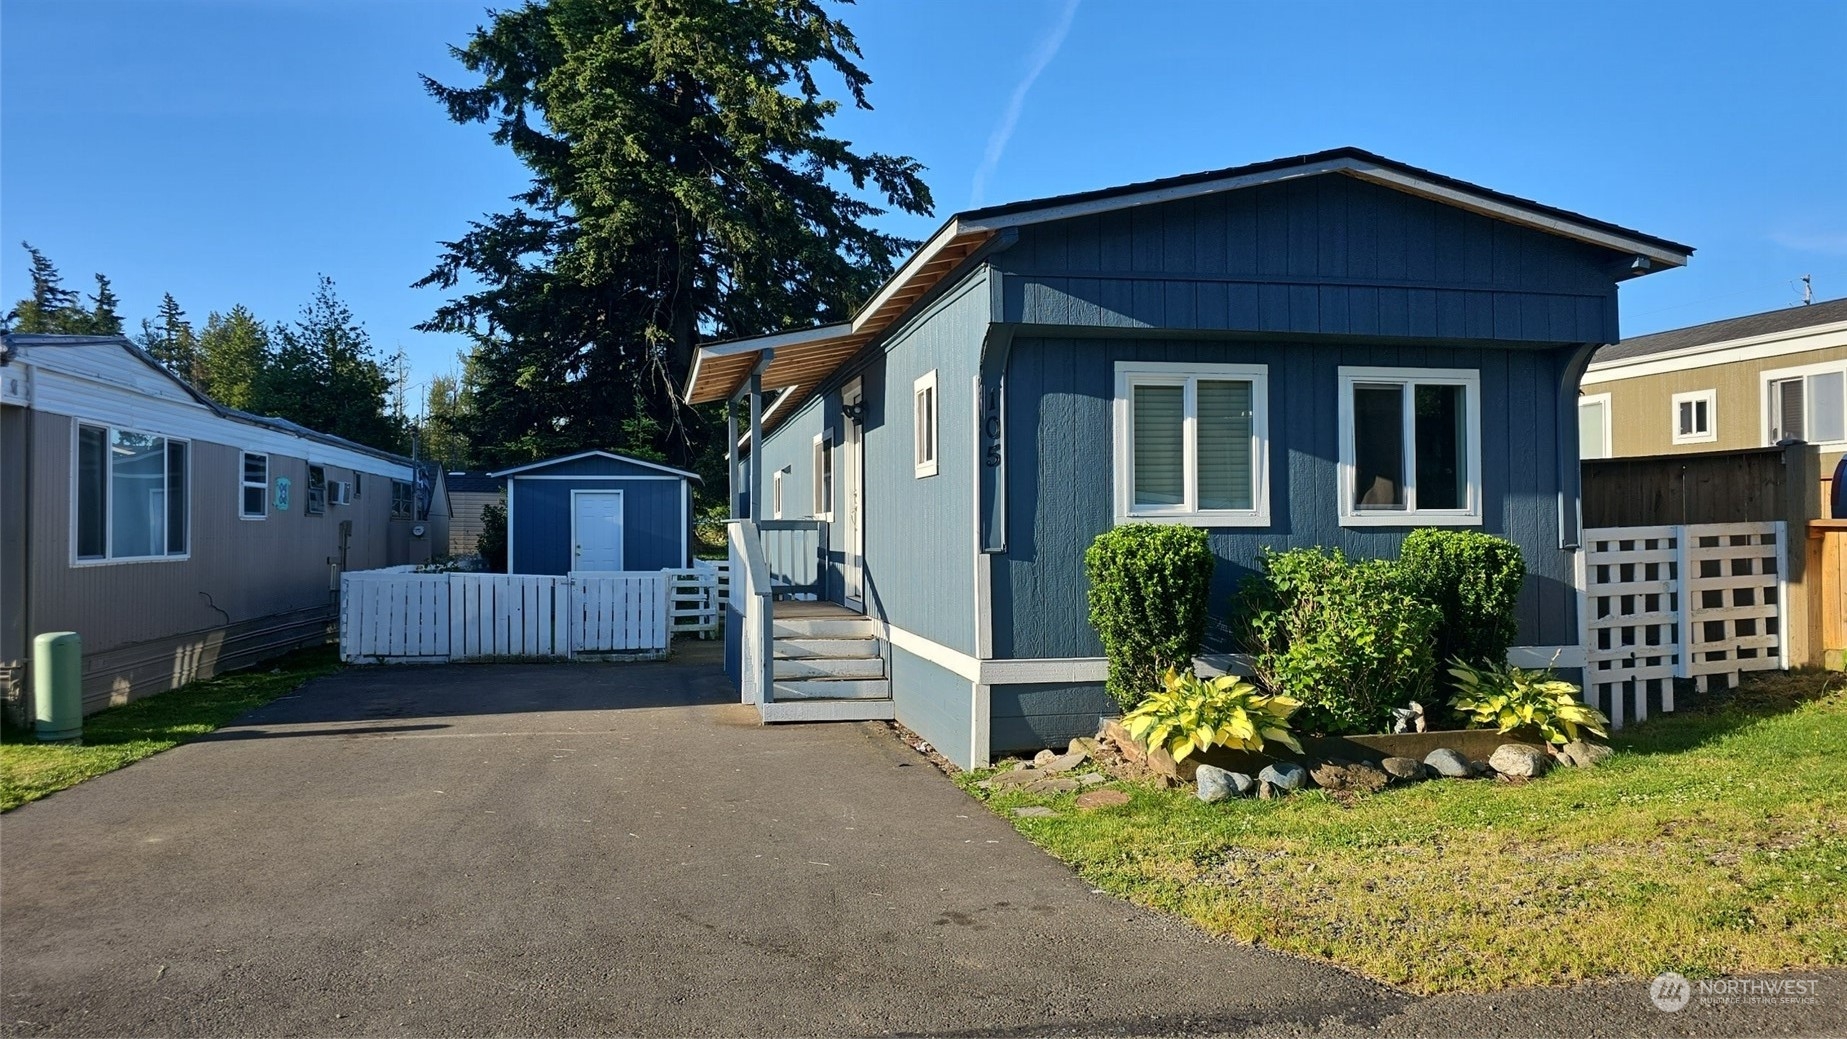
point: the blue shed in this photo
(1329, 349)
(597, 511)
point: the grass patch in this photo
(1713, 843)
(123, 735)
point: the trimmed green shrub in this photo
(1348, 638)
(492, 542)
(1149, 590)
(1474, 579)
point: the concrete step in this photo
(851, 667)
(827, 711)
(821, 627)
(831, 649)
(834, 689)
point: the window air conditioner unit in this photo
(340, 492)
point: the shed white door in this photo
(596, 530)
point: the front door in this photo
(852, 493)
(596, 530)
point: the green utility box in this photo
(57, 687)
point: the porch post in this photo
(756, 445)
(731, 457)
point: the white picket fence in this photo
(699, 595)
(398, 617)
(1679, 602)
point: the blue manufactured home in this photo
(597, 511)
(1331, 350)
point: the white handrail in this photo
(753, 597)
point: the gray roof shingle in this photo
(1766, 323)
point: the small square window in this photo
(1694, 421)
(1410, 446)
(923, 424)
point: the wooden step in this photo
(827, 711)
(821, 627)
(850, 667)
(834, 689)
(829, 649)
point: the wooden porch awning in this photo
(801, 360)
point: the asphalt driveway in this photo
(618, 849)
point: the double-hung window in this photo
(132, 495)
(1806, 404)
(1594, 426)
(255, 486)
(316, 503)
(1694, 422)
(923, 424)
(824, 475)
(1192, 444)
(1410, 447)
(403, 500)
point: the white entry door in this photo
(853, 506)
(596, 530)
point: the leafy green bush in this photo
(492, 542)
(1510, 697)
(1350, 639)
(1474, 579)
(1149, 586)
(1189, 713)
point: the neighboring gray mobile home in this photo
(1331, 349)
(178, 537)
(595, 510)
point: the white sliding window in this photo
(1191, 444)
(131, 499)
(1808, 403)
(1410, 447)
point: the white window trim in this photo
(1470, 380)
(1609, 444)
(925, 382)
(1766, 418)
(1176, 373)
(776, 492)
(825, 437)
(244, 484)
(109, 513)
(1711, 397)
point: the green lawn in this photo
(123, 735)
(1714, 843)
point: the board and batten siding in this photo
(1059, 430)
(247, 589)
(1329, 255)
(919, 535)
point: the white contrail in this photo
(1003, 131)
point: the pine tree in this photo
(104, 318)
(447, 409)
(683, 186)
(233, 356)
(170, 340)
(52, 308)
(325, 375)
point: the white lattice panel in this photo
(1631, 619)
(1734, 585)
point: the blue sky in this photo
(227, 151)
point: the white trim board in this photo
(612, 456)
(1755, 348)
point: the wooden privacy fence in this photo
(1754, 485)
(1679, 602)
(395, 617)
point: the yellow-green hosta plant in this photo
(1189, 714)
(1510, 697)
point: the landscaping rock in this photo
(1284, 776)
(1050, 785)
(1034, 812)
(1018, 777)
(1091, 800)
(1403, 770)
(1449, 763)
(1359, 778)
(1063, 762)
(1585, 754)
(1042, 757)
(1092, 779)
(1218, 784)
(1265, 791)
(1520, 759)
(1090, 747)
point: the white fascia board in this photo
(786, 395)
(1752, 348)
(937, 243)
(754, 344)
(529, 466)
(1515, 214)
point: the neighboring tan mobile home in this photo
(1331, 349)
(178, 537)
